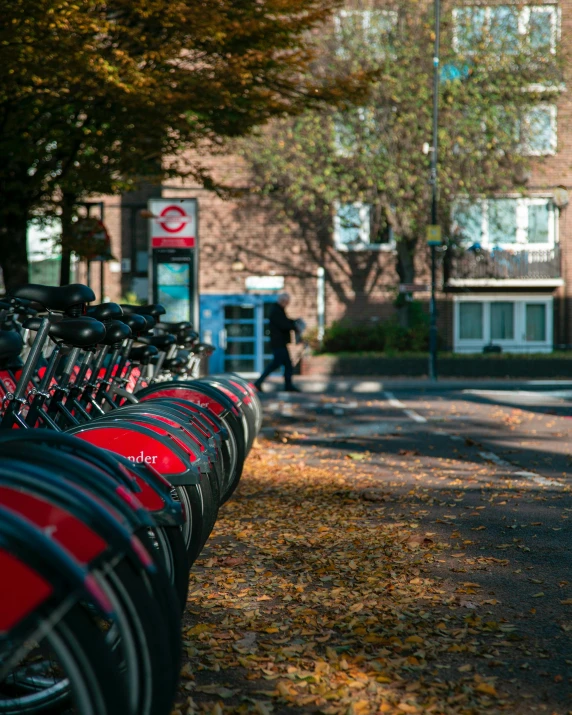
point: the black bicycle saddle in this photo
(162, 342)
(78, 332)
(116, 332)
(136, 323)
(61, 298)
(105, 311)
(183, 331)
(182, 326)
(143, 354)
(149, 321)
(180, 360)
(154, 309)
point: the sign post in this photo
(434, 235)
(173, 258)
(434, 230)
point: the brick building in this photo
(513, 287)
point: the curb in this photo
(356, 385)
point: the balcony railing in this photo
(496, 264)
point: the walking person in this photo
(280, 328)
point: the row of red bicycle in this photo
(114, 462)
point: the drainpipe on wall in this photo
(321, 302)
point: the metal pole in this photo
(102, 279)
(321, 303)
(433, 180)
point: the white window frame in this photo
(552, 110)
(523, 21)
(339, 149)
(365, 115)
(366, 16)
(518, 344)
(521, 244)
(553, 10)
(364, 230)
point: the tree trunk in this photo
(68, 207)
(406, 273)
(65, 267)
(13, 247)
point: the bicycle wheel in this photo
(69, 668)
(146, 636)
(192, 530)
(168, 546)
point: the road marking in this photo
(415, 416)
(526, 396)
(394, 402)
(444, 433)
(441, 433)
(492, 457)
(488, 456)
(539, 479)
(371, 429)
(533, 476)
(368, 386)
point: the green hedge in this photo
(499, 357)
(383, 337)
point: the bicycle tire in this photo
(172, 554)
(95, 686)
(192, 530)
(156, 641)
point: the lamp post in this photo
(434, 234)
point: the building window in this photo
(538, 131)
(365, 28)
(533, 133)
(503, 27)
(502, 221)
(505, 223)
(539, 220)
(515, 323)
(541, 23)
(352, 130)
(471, 321)
(502, 321)
(354, 229)
(352, 225)
(535, 322)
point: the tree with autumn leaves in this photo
(96, 95)
(500, 69)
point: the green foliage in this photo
(344, 336)
(94, 96)
(372, 152)
(556, 355)
(130, 298)
(387, 337)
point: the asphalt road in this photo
(489, 474)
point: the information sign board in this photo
(173, 247)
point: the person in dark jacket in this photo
(280, 328)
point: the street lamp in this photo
(433, 230)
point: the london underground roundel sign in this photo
(173, 219)
(173, 224)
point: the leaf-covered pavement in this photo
(322, 590)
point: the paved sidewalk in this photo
(401, 552)
(373, 385)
